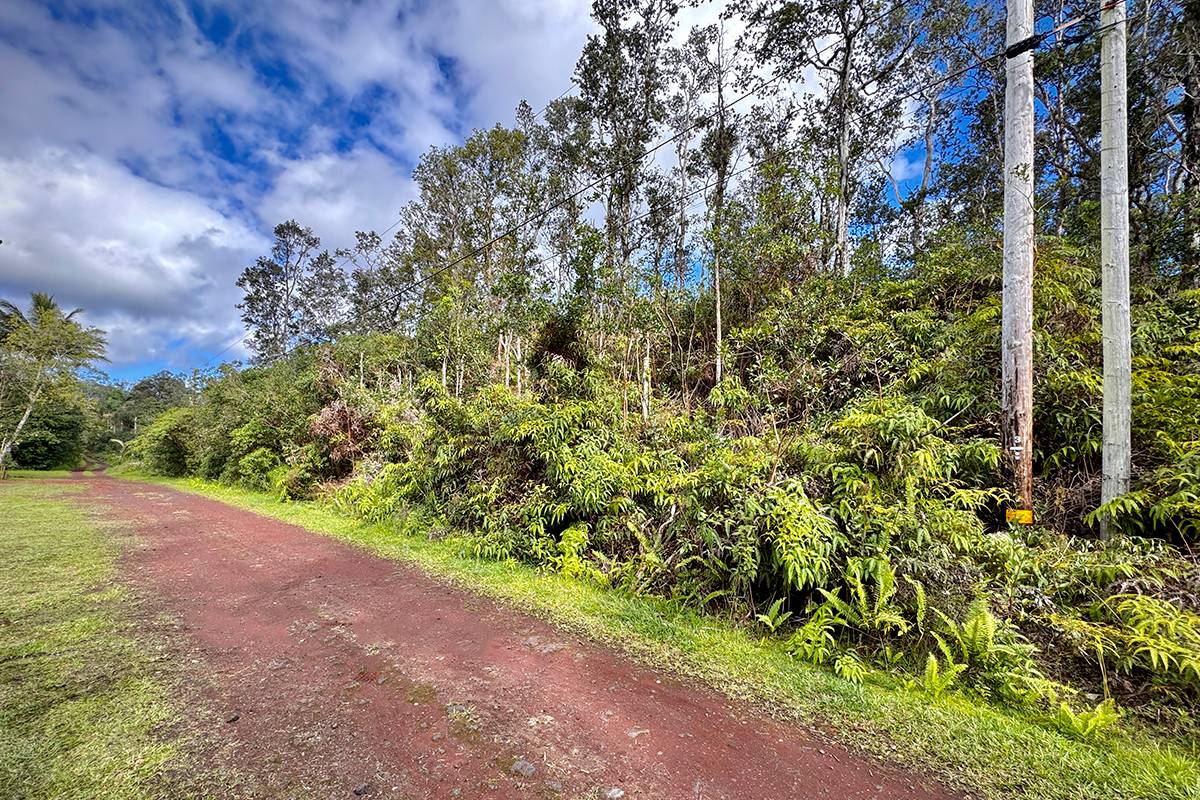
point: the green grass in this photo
(80, 699)
(38, 473)
(981, 748)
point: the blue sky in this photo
(146, 149)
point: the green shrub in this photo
(165, 446)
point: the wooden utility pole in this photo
(1114, 253)
(1188, 41)
(1016, 391)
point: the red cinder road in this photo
(329, 671)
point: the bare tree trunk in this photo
(625, 382)
(1114, 254)
(725, 153)
(717, 300)
(520, 366)
(1016, 392)
(843, 201)
(507, 363)
(6, 447)
(646, 380)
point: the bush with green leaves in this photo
(840, 488)
(167, 445)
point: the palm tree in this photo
(40, 350)
(40, 305)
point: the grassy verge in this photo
(79, 701)
(988, 750)
(38, 473)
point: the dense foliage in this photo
(42, 350)
(840, 488)
(783, 407)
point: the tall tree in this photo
(717, 148)
(622, 79)
(41, 352)
(295, 295)
(1188, 60)
(861, 52)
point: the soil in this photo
(324, 671)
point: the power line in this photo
(565, 92)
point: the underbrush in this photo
(860, 543)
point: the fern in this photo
(849, 667)
(814, 642)
(937, 679)
(1087, 725)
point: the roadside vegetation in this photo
(739, 401)
(82, 701)
(841, 495)
(991, 750)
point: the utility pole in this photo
(1188, 40)
(1016, 347)
(1114, 254)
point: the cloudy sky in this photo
(146, 149)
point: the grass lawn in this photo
(80, 699)
(39, 473)
(995, 752)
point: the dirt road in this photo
(334, 673)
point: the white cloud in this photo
(511, 50)
(154, 266)
(336, 194)
(143, 165)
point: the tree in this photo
(717, 149)
(294, 296)
(1188, 39)
(145, 400)
(622, 79)
(41, 352)
(861, 51)
(53, 438)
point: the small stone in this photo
(362, 789)
(613, 793)
(437, 737)
(233, 717)
(523, 767)
(456, 792)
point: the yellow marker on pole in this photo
(1021, 516)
